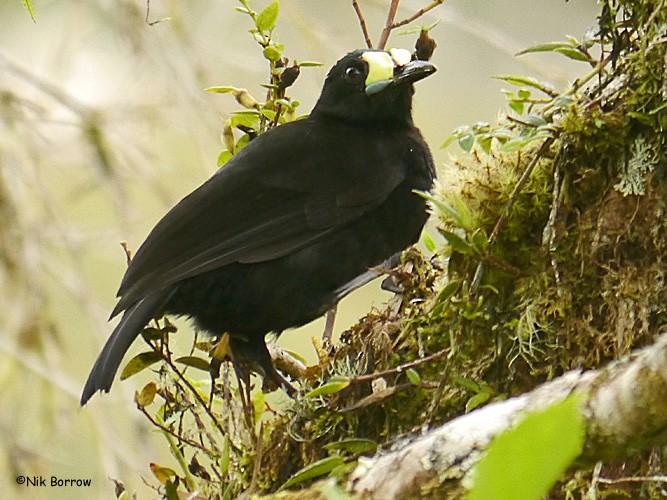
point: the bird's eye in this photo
(353, 75)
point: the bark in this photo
(625, 410)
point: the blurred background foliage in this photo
(104, 124)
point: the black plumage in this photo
(291, 224)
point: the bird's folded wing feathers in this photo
(205, 231)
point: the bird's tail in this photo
(133, 321)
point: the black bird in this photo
(278, 235)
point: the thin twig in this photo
(362, 23)
(329, 326)
(417, 14)
(196, 394)
(400, 368)
(440, 390)
(259, 455)
(634, 479)
(169, 431)
(518, 188)
(388, 25)
(500, 223)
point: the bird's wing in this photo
(270, 200)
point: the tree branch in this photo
(384, 36)
(625, 410)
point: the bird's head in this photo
(372, 87)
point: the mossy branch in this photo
(617, 400)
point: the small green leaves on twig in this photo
(278, 108)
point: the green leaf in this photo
(353, 446)
(195, 362)
(297, 356)
(520, 142)
(241, 143)
(149, 333)
(414, 377)
(334, 385)
(517, 106)
(563, 101)
(525, 462)
(574, 54)
(449, 141)
(268, 113)
(466, 142)
(502, 134)
(272, 53)
(224, 157)
(523, 94)
(266, 20)
(535, 120)
(147, 395)
(30, 8)
(448, 291)
(457, 211)
(140, 362)
(520, 80)
(244, 118)
(316, 469)
(479, 241)
(171, 491)
(478, 399)
(222, 90)
(485, 141)
(544, 47)
(163, 474)
(305, 64)
(428, 241)
(469, 384)
(225, 459)
(259, 404)
(457, 243)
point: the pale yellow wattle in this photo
(380, 66)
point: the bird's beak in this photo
(393, 69)
(413, 72)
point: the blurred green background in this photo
(104, 125)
